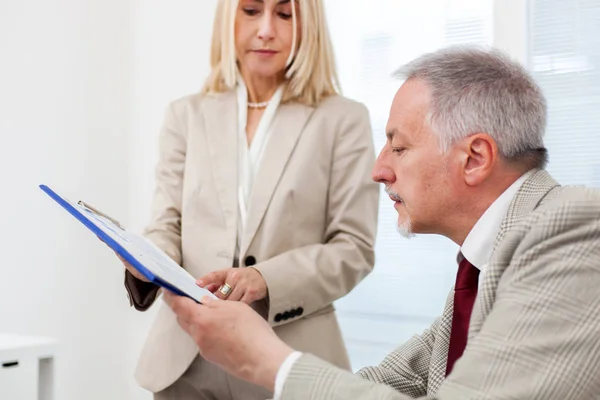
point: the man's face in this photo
(411, 165)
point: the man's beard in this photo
(404, 228)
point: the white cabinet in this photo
(26, 367)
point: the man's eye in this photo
(398, 149)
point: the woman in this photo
(263, 192)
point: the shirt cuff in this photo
(283, 373)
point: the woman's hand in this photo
(132, 270)
(128, 267)
(247, 284)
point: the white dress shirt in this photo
(477, 248)
(249, 156)
(479, 244)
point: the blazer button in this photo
(299, 311)
(286, 315)
(278, 317)
(250, 261)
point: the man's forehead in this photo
(413, 96)
(409, 109)
(395, 133)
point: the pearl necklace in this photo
(258, 105)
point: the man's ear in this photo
(479, 155)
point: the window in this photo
(408, 288)
(564, 57)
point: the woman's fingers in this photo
(216, 277)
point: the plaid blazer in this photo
(535, 327)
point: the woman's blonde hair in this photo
(312, 73)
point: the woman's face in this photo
(263, 36)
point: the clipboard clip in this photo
(99, 213)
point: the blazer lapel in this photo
(288, 124)
(530, 195)
(220, 115)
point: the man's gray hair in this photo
(483, 91)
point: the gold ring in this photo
(226, 290)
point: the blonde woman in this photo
(263, 192)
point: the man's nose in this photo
(382, 172)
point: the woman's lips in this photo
(265, 52)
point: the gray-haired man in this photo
(464, 158)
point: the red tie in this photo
(465, 291)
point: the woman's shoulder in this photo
(342, 106)
(195, 101)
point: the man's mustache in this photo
(395, 196)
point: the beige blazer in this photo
(310, 229)
(535, 327)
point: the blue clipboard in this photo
(117, 238)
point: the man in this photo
(464, 158)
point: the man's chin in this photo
(405, 229)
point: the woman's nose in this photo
(266, 30)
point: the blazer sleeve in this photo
(164, 228)
(406, 369)
(317, 275)
(314, 379)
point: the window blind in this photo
(564, 57)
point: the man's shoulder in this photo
(570, 197)
(564, 209)
(561, 233)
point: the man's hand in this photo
(233, 336)
(247, 284)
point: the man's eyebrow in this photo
(391, 133)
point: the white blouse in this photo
(249, 157)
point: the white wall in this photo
(170, 60)
(83, 88)
(510, 28)
(64, 113)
